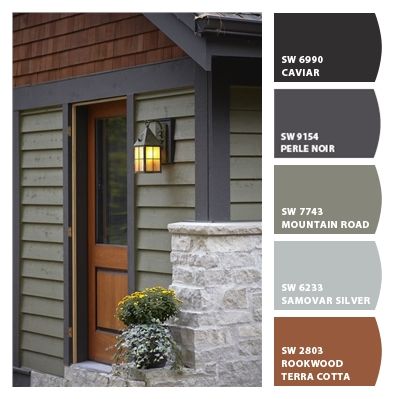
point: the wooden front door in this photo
(107, 225)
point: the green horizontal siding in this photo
(246, 211)
(245, 168)
(42, 288)
(42, 214)
(144, 279)
(245, 191)
(42, 140)
(180, 174)
(153, 239)
(165, 197)
(168, 196)
(245, 153)
(41, 246)
(42, 159)
(42, 177)
(42, 307)
(172, 106)
(42, 269)
(41, 324)
(159, 218)
(42, 232)
(249, 145)
(245, 121)
(42, 362)
(42, 120)
(154, 261)
(42, 344)
(42, 196)
(42, 251)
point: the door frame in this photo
(79, 221)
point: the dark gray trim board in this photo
(153, 77)
(212, 160)
(130, 194)
(202, 79)
(20, 377)
(15, 239)
(67, 301)
(219, 145)
(81, 229)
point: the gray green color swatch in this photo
(326, 199)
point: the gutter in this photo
(209, 24)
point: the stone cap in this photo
(216, 228)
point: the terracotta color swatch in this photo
(326, 351)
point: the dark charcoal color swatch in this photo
(350, 45)
(326, 123)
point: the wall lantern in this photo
(151, 150)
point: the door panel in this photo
(108, 284)
(107, 227)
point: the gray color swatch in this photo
(326, 275)
(326, 123)
(326, 199)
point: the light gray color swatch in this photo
(326, 275)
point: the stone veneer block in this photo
(217, 275)
(46, 380)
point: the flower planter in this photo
(146, 342)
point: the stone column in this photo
(217, 275)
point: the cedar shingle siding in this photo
(57, 46)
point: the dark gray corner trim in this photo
(130, 194)
(67, 347)
(81, 229)
(212, 162)
(152, 77)
(15, 240)
(202, 79)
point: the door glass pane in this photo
(111, 181)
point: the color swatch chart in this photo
(328, 198)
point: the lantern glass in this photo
(139, 159)
(152, 159)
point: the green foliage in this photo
(147, 346)
(152, 305)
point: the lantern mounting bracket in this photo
(164, 132)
